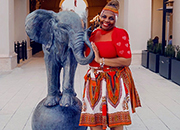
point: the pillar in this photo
(137, 22)
(176, 23)
(8, 59)
(120, 20)
(21, 10)
(156, 26)
(29, 49)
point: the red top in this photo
(115, 46)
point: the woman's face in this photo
(107, 20)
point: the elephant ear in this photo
(39, 26)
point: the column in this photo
(176, 23)
(167, 30)
(21, 10)
(29, 49)
(120, 20)
(8, 59)
(137, 22)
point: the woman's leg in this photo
(96, 128)
(117, 128)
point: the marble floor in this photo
(24, 87)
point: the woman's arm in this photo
(114, 62)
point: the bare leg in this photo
(117, 128)
(96, 128)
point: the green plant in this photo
(170, 51)
(158, 48)
(154, 48)
(150, 45)
(178, 55)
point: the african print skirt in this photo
(109, 95)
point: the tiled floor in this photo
(24, 87)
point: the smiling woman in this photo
(109, 90)
(107, 20)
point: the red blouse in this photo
(118, 47)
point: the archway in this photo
(78, 6)
(60, 4)
(93, 7)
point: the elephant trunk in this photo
(79, 41)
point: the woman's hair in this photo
(113, 3)
(113, 6)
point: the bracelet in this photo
(103, 63)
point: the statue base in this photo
(57, 117)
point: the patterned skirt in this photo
(109, 95)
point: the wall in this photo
(137, 21)
(120, 21)
(20, 13)
(7, 56)
(12, 14)
(21, 9)
(157, 17)
(7, 27)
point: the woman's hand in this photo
(113, 62)
(96, 52)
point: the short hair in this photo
(170, 36)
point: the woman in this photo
(109, 87)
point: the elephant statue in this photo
(63, 40)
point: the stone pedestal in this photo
(57, 117)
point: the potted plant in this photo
(175, 67)
(145, 54)
(165, 61)
(154, 53)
